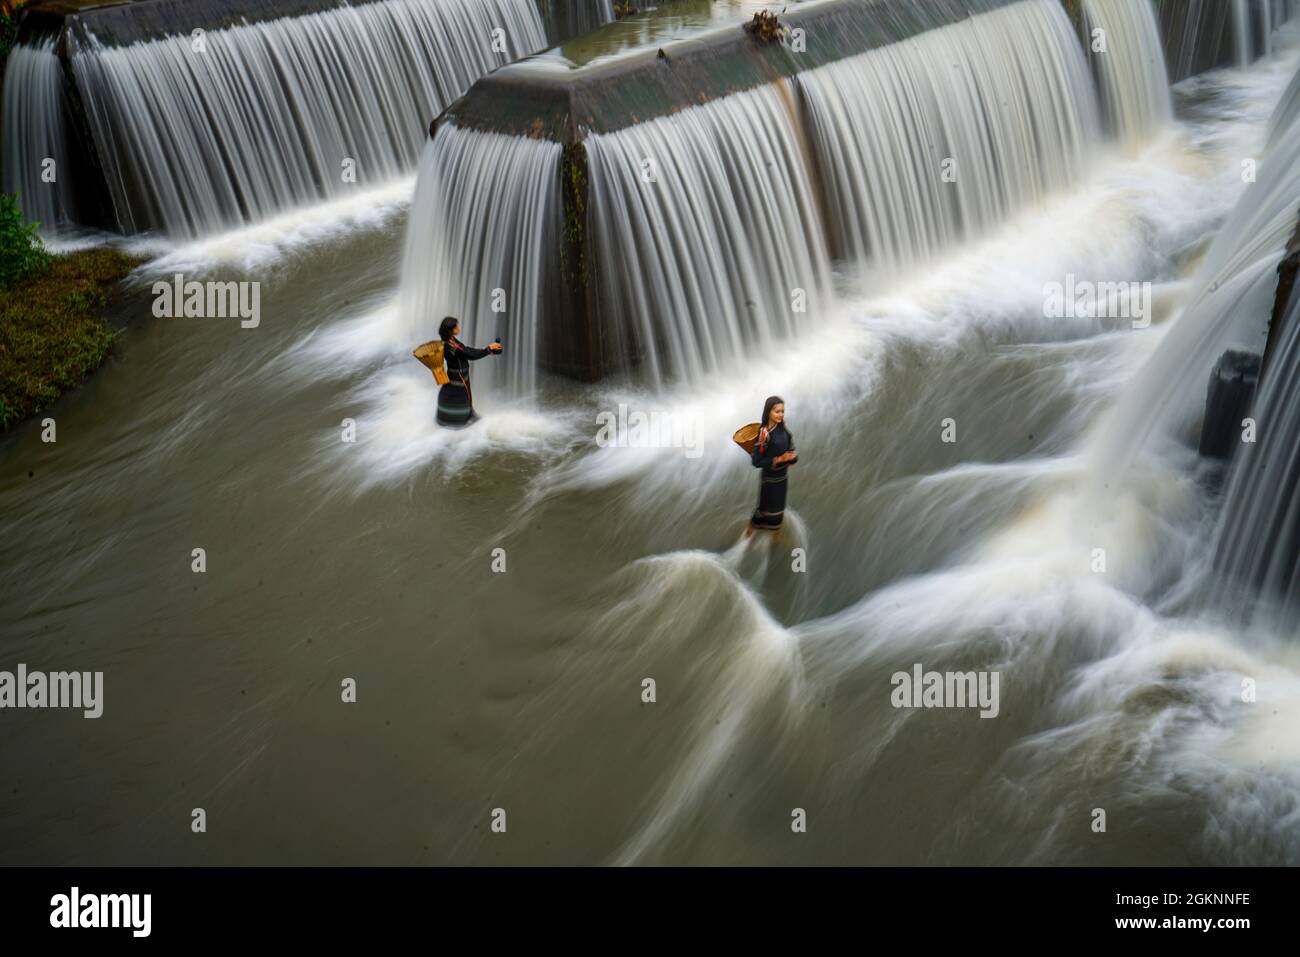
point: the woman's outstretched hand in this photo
(494, 347)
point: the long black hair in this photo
(767, 409)
(447, 328)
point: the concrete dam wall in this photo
(779, 142)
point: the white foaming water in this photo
(709, 413)
(275, 240)
(396, 396)
(397, 437)
(704, 229)
(1132, 67)
(930, 142)
(504, 192)
(346, 90)
(1134, 212)
(35, 130)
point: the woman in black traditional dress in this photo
(455, 399)
(774, 453)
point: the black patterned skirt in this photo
(771, 500)
(456, 402)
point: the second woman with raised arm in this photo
(456, 399)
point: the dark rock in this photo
(1231, 393)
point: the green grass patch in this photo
(51, 336)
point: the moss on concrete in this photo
(573, 172)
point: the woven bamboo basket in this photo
(746, 437)
(431, 355)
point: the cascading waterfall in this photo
(1201, 34)
(36, 130)
(1194, 38)
(927, 143)
(708, 227)
(1273, 14)
(1255, 22)
(1132, 67)
(503, 192)
(276, 114)
(1233, 293)
(706, 230)
(1259, 528)
(1258, 535)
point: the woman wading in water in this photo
(455, 399)
(774, 453)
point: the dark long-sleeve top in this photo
(769, 446)
(459, 355)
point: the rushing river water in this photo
(480, 689)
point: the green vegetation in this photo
(21, 252)
(51, 336)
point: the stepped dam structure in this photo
(691, 200)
